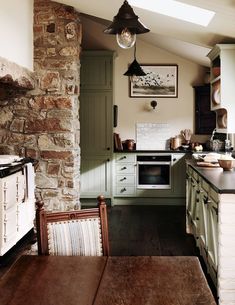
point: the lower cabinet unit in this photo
(96, 174)
(126, 178)
(125, 173)
(210, 218)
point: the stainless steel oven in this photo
(154, 171)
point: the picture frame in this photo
(160, 81)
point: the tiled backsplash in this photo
(152, 136)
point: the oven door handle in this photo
(154, 163)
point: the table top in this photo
(142, 280)
(156, 280)
(52, 280)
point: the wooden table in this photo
(145, 280)
(52, 280)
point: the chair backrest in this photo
(78, 232)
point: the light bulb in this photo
(126, 39)
(134, 79)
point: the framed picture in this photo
(159, 81)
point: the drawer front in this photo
(125, 168)
(189, 170)
(125, 191)
(205, 185)
(125, 179)
(195, 176)
(125, 158)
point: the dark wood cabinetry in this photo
(205, 119)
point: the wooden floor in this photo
(135, 230)
(149, 230)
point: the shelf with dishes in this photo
(216, 95)
(222, 85)
(221, 115)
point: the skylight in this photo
(177, 10)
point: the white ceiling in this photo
(182, 38)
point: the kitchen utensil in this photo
(186, 133)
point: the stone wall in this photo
(44, 122)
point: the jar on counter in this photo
(175, 142)
(130, 144)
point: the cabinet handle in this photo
(108, 160)
(123, 190)
(124, 178)
(124, 157)
(108, 148)
(123, 168)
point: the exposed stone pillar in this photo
(55, 105)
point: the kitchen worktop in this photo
(221, 181)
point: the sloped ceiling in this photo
(182, 38)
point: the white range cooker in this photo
(17, 199)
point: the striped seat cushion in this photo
(75, 237)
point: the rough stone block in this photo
(69, 51)
(53, 169)
(17, 125)
(50, 81)
(59, 155)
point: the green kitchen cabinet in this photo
(97, 70)
(96, 176)
(96, 123)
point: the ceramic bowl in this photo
(216, 71)
(226, 164)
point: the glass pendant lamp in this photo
(126, 26)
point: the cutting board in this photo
(207, 164)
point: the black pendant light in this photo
(134, 70)
(125, 26)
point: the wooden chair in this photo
(79, 232)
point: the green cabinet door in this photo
(96, 123)
(98, 70)
(95, 179)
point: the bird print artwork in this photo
(159, 81)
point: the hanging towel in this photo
(30, 184)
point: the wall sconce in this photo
(153, 105)
(134, 71)
(125, 26)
